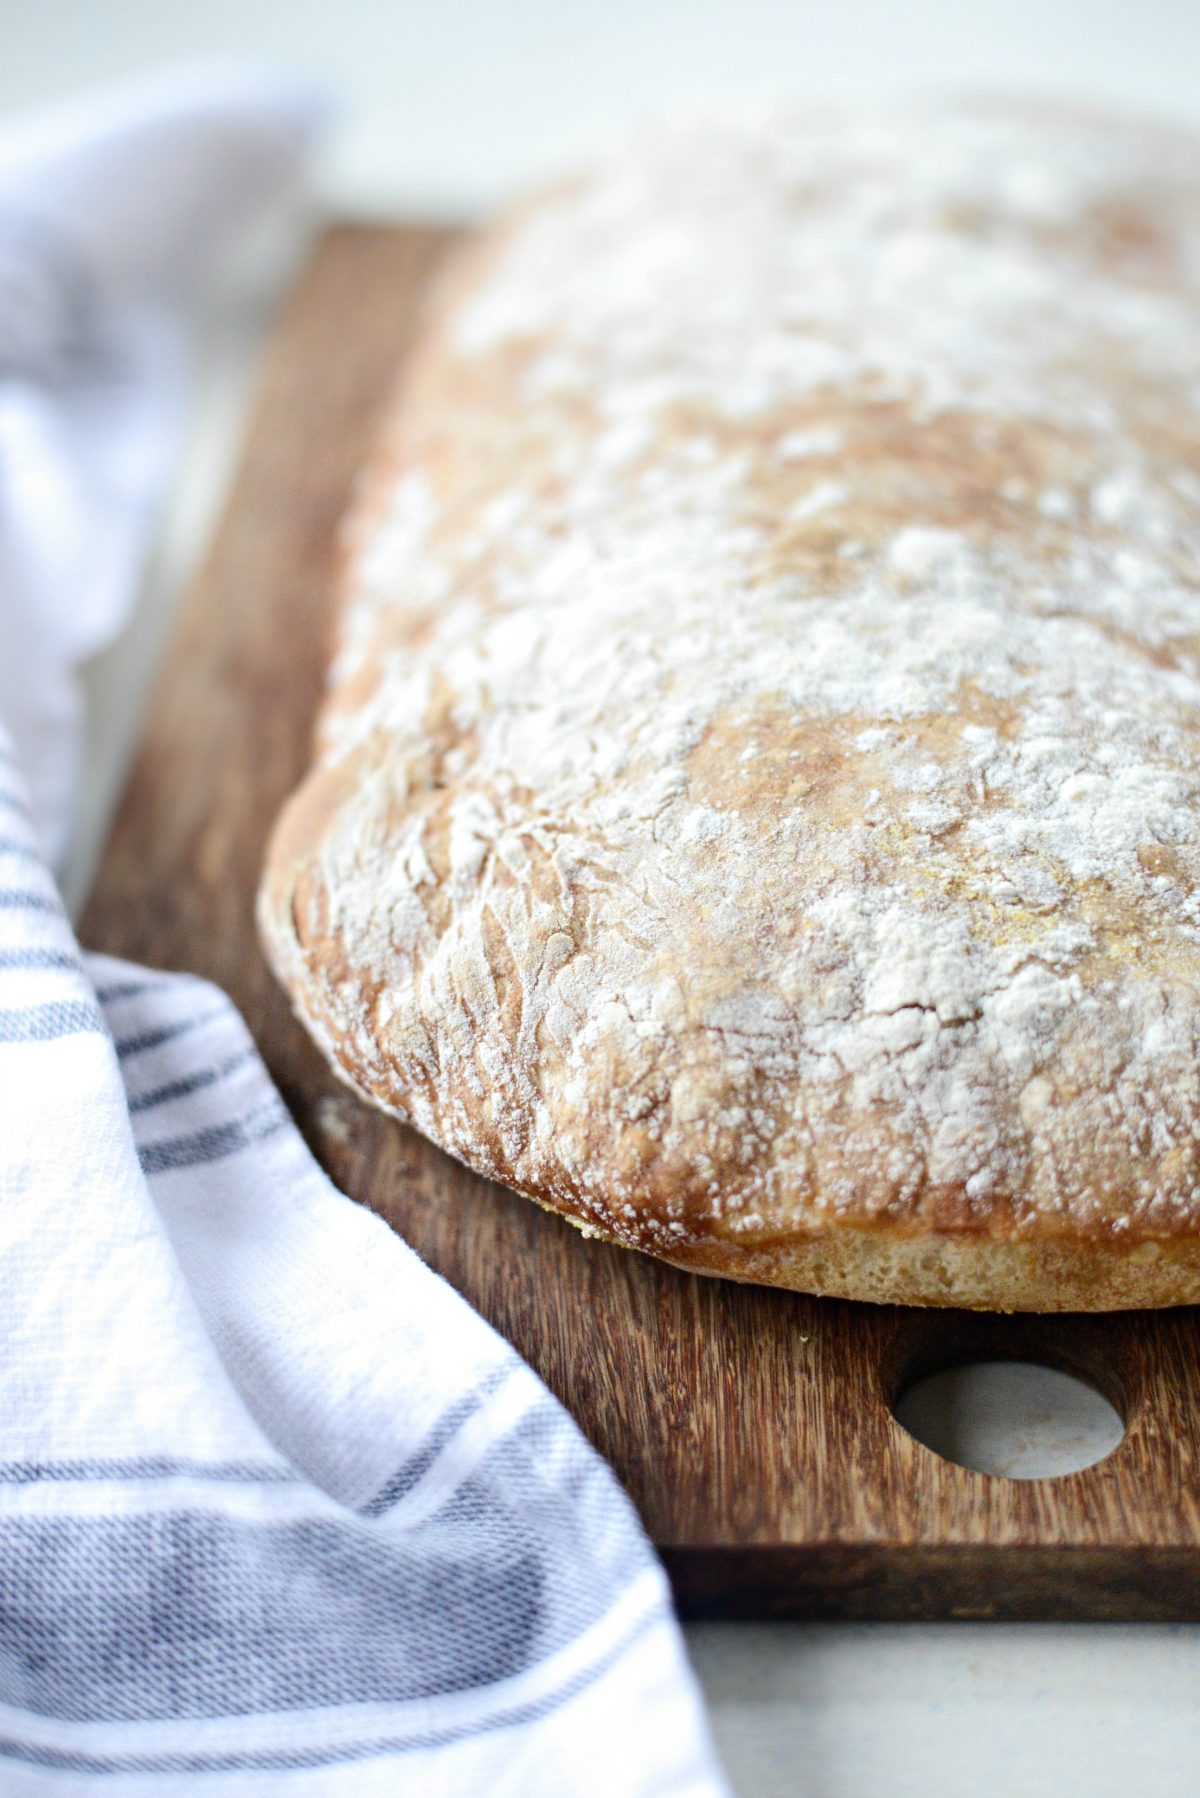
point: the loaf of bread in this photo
(755, 811)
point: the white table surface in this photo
(445, 107)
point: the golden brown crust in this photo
(972, 1272)
(756, 808)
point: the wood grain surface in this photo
(752, 1428)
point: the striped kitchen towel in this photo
(278, 1512)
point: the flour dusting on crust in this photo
(758, 790)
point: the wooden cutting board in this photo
(752, 1428)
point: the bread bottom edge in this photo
(966, 1273)
(875, 1266)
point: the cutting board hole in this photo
(1015, 1419)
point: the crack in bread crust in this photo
(755, 811)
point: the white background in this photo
(448, 104)
(442, 109)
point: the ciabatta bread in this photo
(756, 806)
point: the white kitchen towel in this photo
(278, 1512)
(111, 214)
